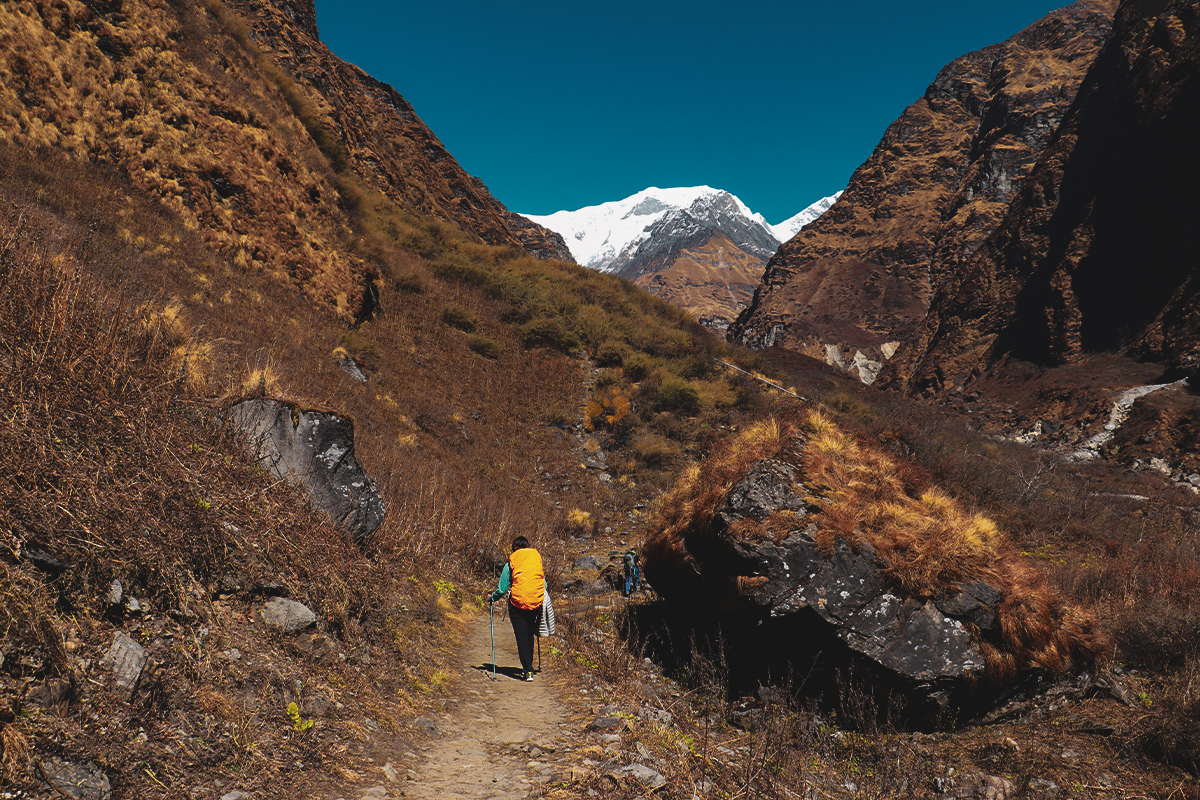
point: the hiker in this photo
(525, 582)
(633, 572)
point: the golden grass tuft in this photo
(261, 382)
(14, 753)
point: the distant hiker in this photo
(633, 572)
(525, 582)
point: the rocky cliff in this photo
(936, 186)
(1098, 252)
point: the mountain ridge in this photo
(657, 230)
(935, 187)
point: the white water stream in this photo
(1090, 449)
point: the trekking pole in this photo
(492, 628)
(539, 653)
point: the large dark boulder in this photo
(801, 553)
(314, 450)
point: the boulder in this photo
(802, 551)
(82, 781)
(287, 615)
(587, 562)
(314, 450)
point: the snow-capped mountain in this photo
(790, 227)
(700, 248)
(621, 236)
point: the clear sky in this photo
(564, 104)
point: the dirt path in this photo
(498, 741)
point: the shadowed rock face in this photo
(1098, 252)
(315, 450)
(936, 186)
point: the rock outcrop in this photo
(935, 188)
(813, 558)
(314, 450)
(1098, 252)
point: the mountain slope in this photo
(1098, 252)
(194, 111)
(385, 143)
(648, 233)
(935, 187)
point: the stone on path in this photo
(84, 781)
(126, 658)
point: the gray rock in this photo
(50, 693)
(315, 450)
(598, 586)
(351, 368)
(651, 779)
(235, 796)
(974, 603)
(126, 658)
(427, 725)
(767, 489)
(606, 724)
(656, 716)
(979, 786)
(928, 650)
(587, 562)
(115, 593)
(83, 781)
(287, 615)
(907, 636)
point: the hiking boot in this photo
(529, 676)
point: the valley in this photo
(912, 474)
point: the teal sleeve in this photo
(505, 583)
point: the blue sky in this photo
(559, 105)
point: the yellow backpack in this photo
(528, 580)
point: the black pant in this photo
(525, 626)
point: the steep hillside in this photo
(384, 141)
(936, 186)
(1098, 252)
(235, 139)
(707, 276)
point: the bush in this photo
(607, 378)
(544, 332)
(612, 353)
(460, 318)
(656, 451)
(409, 283)
(484, 347)
(637, 366)
(457, 268)
(676, 394)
